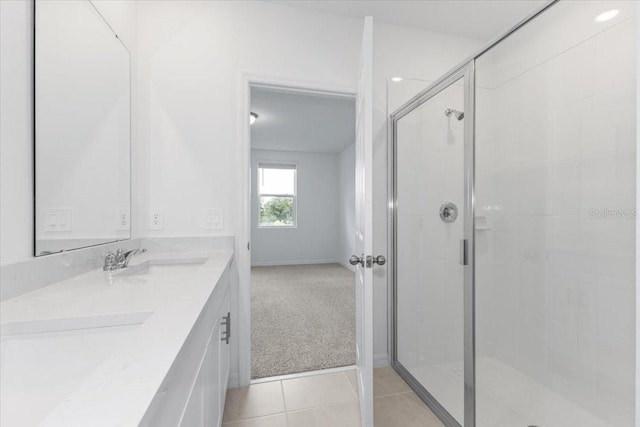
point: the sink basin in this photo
(161, 266)
(42, 361)
(42, 326)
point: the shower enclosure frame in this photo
(466, 74)
(466, 71)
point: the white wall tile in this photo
(556, 149)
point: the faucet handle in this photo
(109, 261)
(107, 255)
(120, 256)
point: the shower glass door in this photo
(429, 224)
(555, 192)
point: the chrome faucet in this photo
(120, 259)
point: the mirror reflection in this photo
(82, 128)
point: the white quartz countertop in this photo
(105, 374)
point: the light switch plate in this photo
(213, 219)
(156, 219)
(58, 219)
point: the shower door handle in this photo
(464, 252)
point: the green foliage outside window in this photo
(276, 211)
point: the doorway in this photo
(302, 231)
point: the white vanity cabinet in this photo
(194, 390)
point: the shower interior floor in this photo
(505, 397)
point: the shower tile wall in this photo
(430, 279)
(555, 180)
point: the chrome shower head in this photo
(458, 114)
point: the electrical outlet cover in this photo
(123, 219)
(156, 219)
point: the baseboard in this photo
(380, 360)
(234, 380)
(296, 262)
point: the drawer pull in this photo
(226, 322)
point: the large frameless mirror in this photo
(82, 128)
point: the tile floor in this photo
(325, 400)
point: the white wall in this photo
(16, 151)
(347, 206)
(315, 238)
(193, 54)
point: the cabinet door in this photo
(211, 395)
(225, 351)
(193, 412)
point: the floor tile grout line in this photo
(388, 394)
(349, 382)
(331, 405)
(284, 401)
(393, 394)
(253, 418)
(323, 405)
(256, 417)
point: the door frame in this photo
(249, 80)
(466, 74)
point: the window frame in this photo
(282, 165)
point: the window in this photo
(276, 195)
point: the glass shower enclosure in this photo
(513, 240)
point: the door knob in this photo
(355, 260)
(380, 260)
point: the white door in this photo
(364, 226)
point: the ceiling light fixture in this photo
(396, 79)
(252, 118)
(609, 14)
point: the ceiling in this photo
(296, 121)
(477, 19)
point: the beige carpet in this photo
(302, 318)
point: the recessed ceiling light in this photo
(252, 118)
(396, 79)
(605, 16)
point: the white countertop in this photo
(103, 376)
